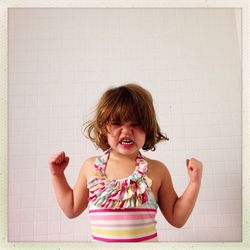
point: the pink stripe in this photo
(122, 217)
(121, 225)
(126, 240)
(123, 210)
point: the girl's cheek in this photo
(114, 131)
(140, 131)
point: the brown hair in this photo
(128, 102)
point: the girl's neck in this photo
(117, 156)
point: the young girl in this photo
(122, 188)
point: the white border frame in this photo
(4, 5)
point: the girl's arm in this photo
(178, 209)
(72, 201)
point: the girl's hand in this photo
(58, 163)
(194, 170)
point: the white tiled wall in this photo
(61, 60)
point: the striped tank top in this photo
(122, 210)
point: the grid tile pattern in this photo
(61, 60)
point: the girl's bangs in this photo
(128, 110)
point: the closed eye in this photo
(115, 123)
(136, 125)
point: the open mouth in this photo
(126, 142)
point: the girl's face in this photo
(126, 138)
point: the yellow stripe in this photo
(117, 232)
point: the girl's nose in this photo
(126, 128)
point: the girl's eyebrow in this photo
(115, 120)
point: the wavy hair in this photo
(129, 102)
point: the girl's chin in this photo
(126, 149)
(127, 146)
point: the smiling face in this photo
(126, 138)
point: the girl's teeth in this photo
(127, 142)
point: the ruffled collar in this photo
(141, 166)
(123, 193)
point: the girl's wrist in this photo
(57, 175)
(195, 183)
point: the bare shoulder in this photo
(158, 170)
(158, 173)
(88, 167)
(156, 166)
(89, 162)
